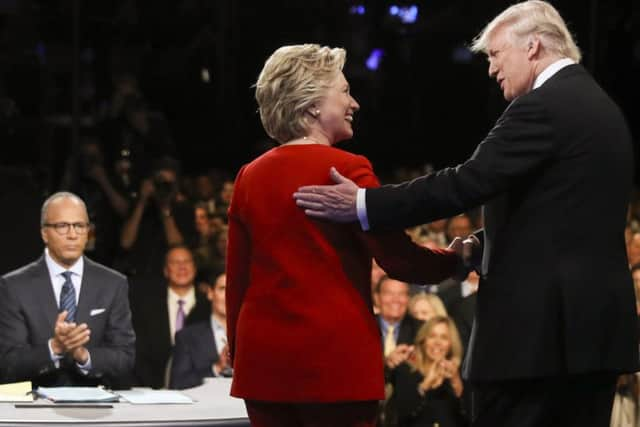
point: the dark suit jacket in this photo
(27, 317)
(556, 295)
(151, 322)
(194, 354)
(409, 327)
(460, 309)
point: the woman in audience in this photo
(428, 388)
(304, 343)
(424, 306)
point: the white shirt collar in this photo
(189, 298)
(56, 269)
(551, 70)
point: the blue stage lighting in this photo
(373, 61)
(357, 9)
(406, 14)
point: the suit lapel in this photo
(44, 293)
(88, 292)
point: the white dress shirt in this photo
(361, 205)
(57, 281)
(172, 305)
(219, 335)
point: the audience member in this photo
(398, 331)
(428, 387)
(106, 198)
(423, 306)
(633, 249)
(201, 348)
(64, 319)
(160, 218)
(159, 312)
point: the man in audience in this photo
(398, 330)
(64, 319)
(201, 348)
(159, 312)
(160, 218)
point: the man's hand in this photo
(400, 354)
(60, 330)
(147, 189)
(333, 202)
(470, 253)
(69, 337)
(224, 362)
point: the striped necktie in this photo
(68, 297)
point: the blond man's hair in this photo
(293, 79)
(532, 18)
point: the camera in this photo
(164, 189)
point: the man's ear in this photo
(533, 47)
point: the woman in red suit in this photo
(306, 349)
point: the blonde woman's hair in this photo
(434, 301)
(420, 358)
(293, 79)
(532, 18)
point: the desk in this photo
(213, 407)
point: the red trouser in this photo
(344, 414)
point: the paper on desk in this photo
(154, 397)
(76, 394)
(16, 392)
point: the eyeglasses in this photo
(63, 228)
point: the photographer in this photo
(160, 218)
(106, 197)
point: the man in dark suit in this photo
(64, 319)
(201, 348)
(555, 321)
(160, 311)
(398, 330)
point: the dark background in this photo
(429, 102)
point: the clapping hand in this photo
(68, 337)
(400, 354)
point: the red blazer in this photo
(299, 313)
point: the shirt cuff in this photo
(86, 367)
(361, 209)
(55, 358)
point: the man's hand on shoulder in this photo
(332, 202)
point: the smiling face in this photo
(179, 269)
(393, 299)
(510, 63)
(437, 346)
(336, 110)
(67, 248)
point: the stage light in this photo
(373, 61)
(357, 9)
(407, 14)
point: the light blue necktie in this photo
(68, 297)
